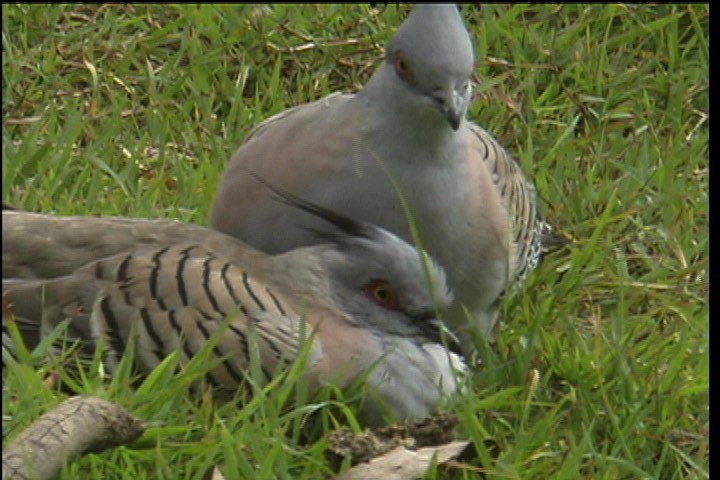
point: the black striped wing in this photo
(177, 297)
(519, 197)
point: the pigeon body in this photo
(361, 298)
(405, 130)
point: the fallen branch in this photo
(75, 427)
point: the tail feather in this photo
(38, 307)
(551, 241)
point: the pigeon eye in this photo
(402, 68)
(382, 293)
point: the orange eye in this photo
(382, 293)
(402, 68)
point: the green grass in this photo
(601, 367)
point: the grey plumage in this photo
(361, 295)
(477, 212)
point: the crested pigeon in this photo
(404, 134)
(361, 296)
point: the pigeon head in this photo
(432, 57)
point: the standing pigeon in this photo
(403, 135)
(361, 296)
